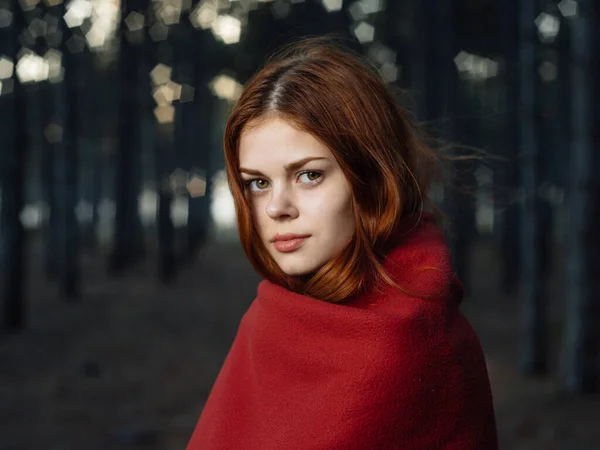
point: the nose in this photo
(281, 205)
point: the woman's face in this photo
(300, 200)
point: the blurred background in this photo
(122, 281)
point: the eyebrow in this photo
(288, 167)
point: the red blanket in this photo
(385, 371)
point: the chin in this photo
(297, 271)
(296, 267)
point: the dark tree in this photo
(534, 345)
(92, 130)
(51, 105)
(167, 261)
(419, 41)
(199, 124)
(442, 105)
(190, 58)
(13, 188)
(166, 156)
(67, 166)
(563, 126)
(582, 336)
(128, 236)
(506, 173)
(51, 141)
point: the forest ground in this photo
(130, 365)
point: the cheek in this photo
(334, 211)
(258, 215)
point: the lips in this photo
(289, 242)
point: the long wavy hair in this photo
(333, 93)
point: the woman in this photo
(355, 339)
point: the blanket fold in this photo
(389, 370)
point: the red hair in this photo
(336, 96)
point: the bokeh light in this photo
(53, 133)
(5, 17)
(226, 87)
(77, 12)
(548, 27)
(222, 207)
(134, 21)
(371, 6)
(159, 32)
(356, 12)
(475, 67)
(364, 32)
(227, 28)
(31, 67)
(568, 8)
(204, 15)
(169, 13)
(104, 24)
(548, 71)
(164, 114)
(161, 74)
(28, 5)
(281, 10)
(197, 186)
(389, 72)
(6, 68)
(332, 5)
(55, 69)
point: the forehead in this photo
(275, 141)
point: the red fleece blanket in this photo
(386, 371)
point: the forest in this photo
(122, 281)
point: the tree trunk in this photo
(186, 117)
(442, 107)
(506, 174)
(582, 335)
(165, 159)
(92, 190)
(167, 261)
(127, 239)
(67, 175)
(13, 193)
(200, 160)
(534, 347)
(51, 141)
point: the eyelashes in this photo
(311, 178)
(250, 183)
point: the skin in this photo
(313, 198)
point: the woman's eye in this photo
(310, 177)
(257, 185)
